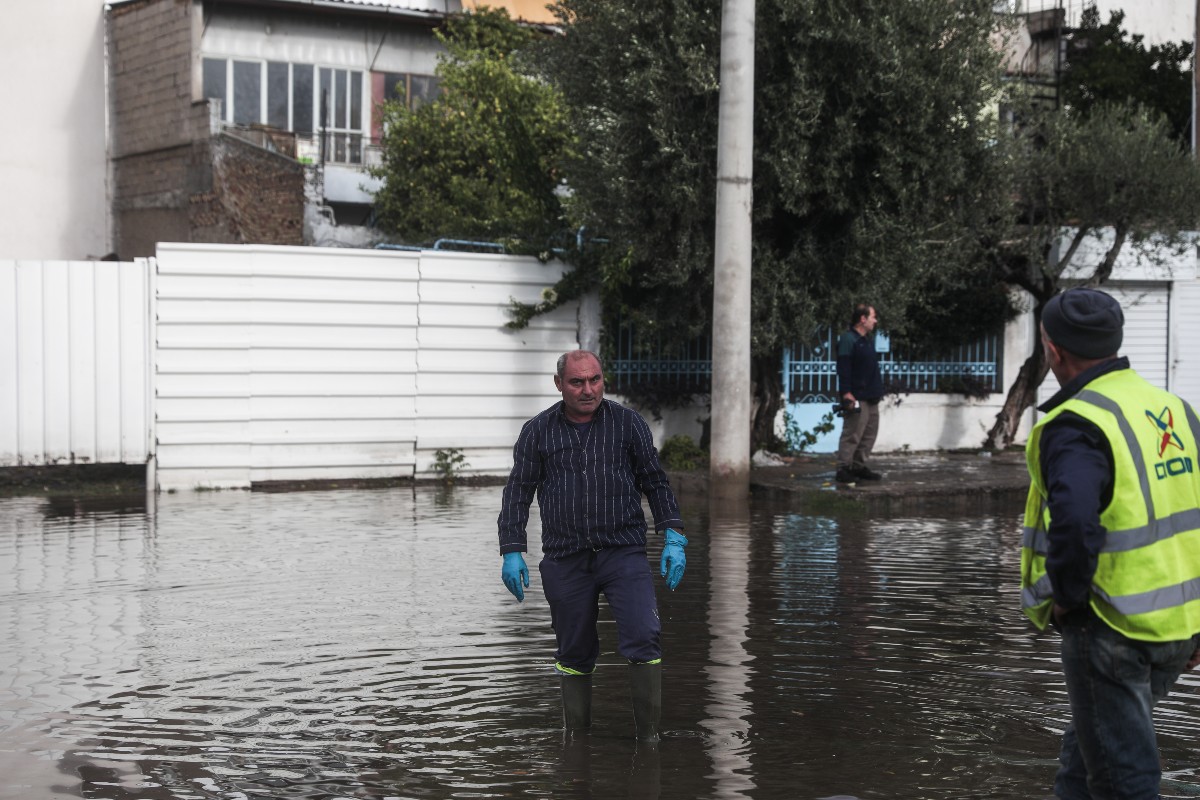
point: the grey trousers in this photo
(858, 435)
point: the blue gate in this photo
(810, 377)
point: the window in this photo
(302, 98)
(247, 92)
(422, 89)
(214, 80)
(277, 95)
(414, 90)
(341, 115)
(294, 97)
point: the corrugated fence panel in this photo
(1145, 306)
(1185, 329)
(73, 362)
(1145, 340)
(278, 363)
(478, 380)
(203, 330)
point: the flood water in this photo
(360, 644)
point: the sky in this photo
(1158, 20)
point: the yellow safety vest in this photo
(1147, 581)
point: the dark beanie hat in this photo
(1086, 322)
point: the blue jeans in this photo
(1109, 751)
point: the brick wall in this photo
(256, 197)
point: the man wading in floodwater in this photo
(1111, 550)
(590, 460)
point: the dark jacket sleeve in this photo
(1077, 465)
(522, 485)
(845, 363)
(651, 479)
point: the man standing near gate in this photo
(590, 460)
(1111, 549)
(861, 388)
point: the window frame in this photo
(348, 94)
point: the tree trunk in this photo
(767, 400)
(1021, 395)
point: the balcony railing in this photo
(330, 147)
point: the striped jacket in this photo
(589, 488)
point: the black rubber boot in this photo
(645, 683)
(577, 704)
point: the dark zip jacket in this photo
(858, 366)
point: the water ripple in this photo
(358, 644)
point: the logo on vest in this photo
(1164, 425)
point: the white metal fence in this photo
(290, 363)
(224, 365)
(74, 382)
(228, 365)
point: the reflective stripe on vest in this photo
(1147, 581)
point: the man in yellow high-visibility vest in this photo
(1111, 547)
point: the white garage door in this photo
(1145, 342)
(1185, 331)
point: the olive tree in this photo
(1117, 174)
(874, 163)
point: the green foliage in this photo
(798, 440)
(573, 285)
(1117, 172)
(484, 161)
(1117, 168)
(449, 463)
(871, 167)
(874, 167)
(680, 453)
(1105, 65)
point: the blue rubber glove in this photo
(673, 562)
(514, 573)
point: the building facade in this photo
(53, 160)
(254, 120)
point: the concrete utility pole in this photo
(729, 454)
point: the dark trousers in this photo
(573, 585)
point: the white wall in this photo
(257, 34)
(1183, 360)
(74, 341)
(53, 144)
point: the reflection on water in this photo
(359, 644)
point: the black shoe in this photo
(845, 475)
(867, 474)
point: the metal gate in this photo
(810, 377)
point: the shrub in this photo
(681, 453)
